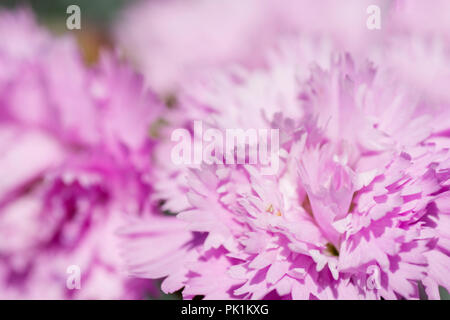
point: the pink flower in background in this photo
(419, 18)
(174, 41)
(208, 33)
(75, 160)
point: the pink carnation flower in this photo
(208, 98)
(357, 210)
(74, 162)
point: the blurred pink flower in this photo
(420, 18)
(171, 40)
(74, 157)
(175, 41)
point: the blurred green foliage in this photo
(97, 18)
(95, 12)
(444, 293)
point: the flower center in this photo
(331, 249)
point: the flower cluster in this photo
(358, 206)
